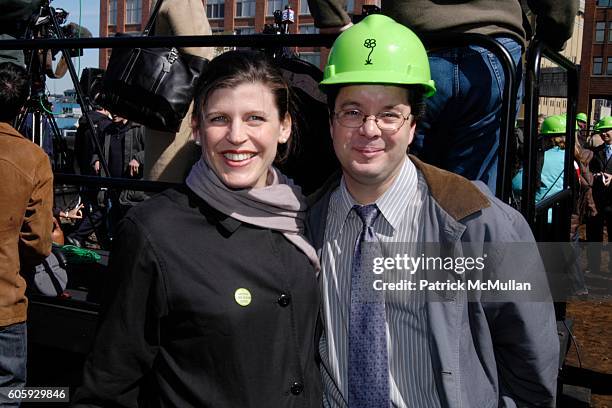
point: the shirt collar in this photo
(403, 190)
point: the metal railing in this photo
(564, 198)
(431, 41)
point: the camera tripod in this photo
(46, 24)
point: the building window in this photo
(133, 11)
(600, 31)
(276, 5)
(312, 57)
(610, 32)
(112, 12)
(308, 29)
(215, 9)
(597, 65)
(245, 30)
(350, 6)
(604, 3)
(609, 67)
(304, 9)
(245, 8)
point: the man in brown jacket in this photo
(26, 201)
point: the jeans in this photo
(460, 130)
(13, 358)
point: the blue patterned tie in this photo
(368, 365)
(608, 152)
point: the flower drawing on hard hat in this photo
(369, 43)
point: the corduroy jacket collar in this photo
(458, 196)
(8, 130)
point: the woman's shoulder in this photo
(164, 205)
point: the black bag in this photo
(151, 86)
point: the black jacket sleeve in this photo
(128, 336)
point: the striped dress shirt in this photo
(411, 375)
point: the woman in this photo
(216, 296)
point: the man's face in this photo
(606, 136)
(371, 158)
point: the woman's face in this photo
(239, 133)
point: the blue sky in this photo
(89, 13)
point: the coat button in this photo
(284, 300)
(297, 388)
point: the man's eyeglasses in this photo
(388, 122)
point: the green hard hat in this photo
(553, 125)
(581, 117)
(604, 123)
(378, 50)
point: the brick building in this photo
(225, 17)
(596, 62)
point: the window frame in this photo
(112, 13)
(597, 63)
(240, 5)
(600, 32)
(134, 12)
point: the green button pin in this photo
(242, 297)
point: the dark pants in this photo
(13, 359)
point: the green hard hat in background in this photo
(553, 125)
(581, 117)
(378, 50)
(604, 123)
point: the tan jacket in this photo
(169, 156)
(26, 218)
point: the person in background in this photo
(84, 147)
(583, 128)
(601, 168)
(460, 129)
(403, 347)
(26, 221)
(123, 144)
(552, 138)
(169, 156)
(216, 279)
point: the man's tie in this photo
(368, 365)
(608, 152)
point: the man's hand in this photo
(73, 214)
(606, 178)
(134, 166)
(96, 166)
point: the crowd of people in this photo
(235, 289)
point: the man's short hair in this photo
(416, 98)
(14, 90)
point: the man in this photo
(460, 129)
(601, 168)
(407, 349)
(26, 220)
(122, 145)
(583, 129)
(84, 147)
(123, 148)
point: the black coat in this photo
(175, 336)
